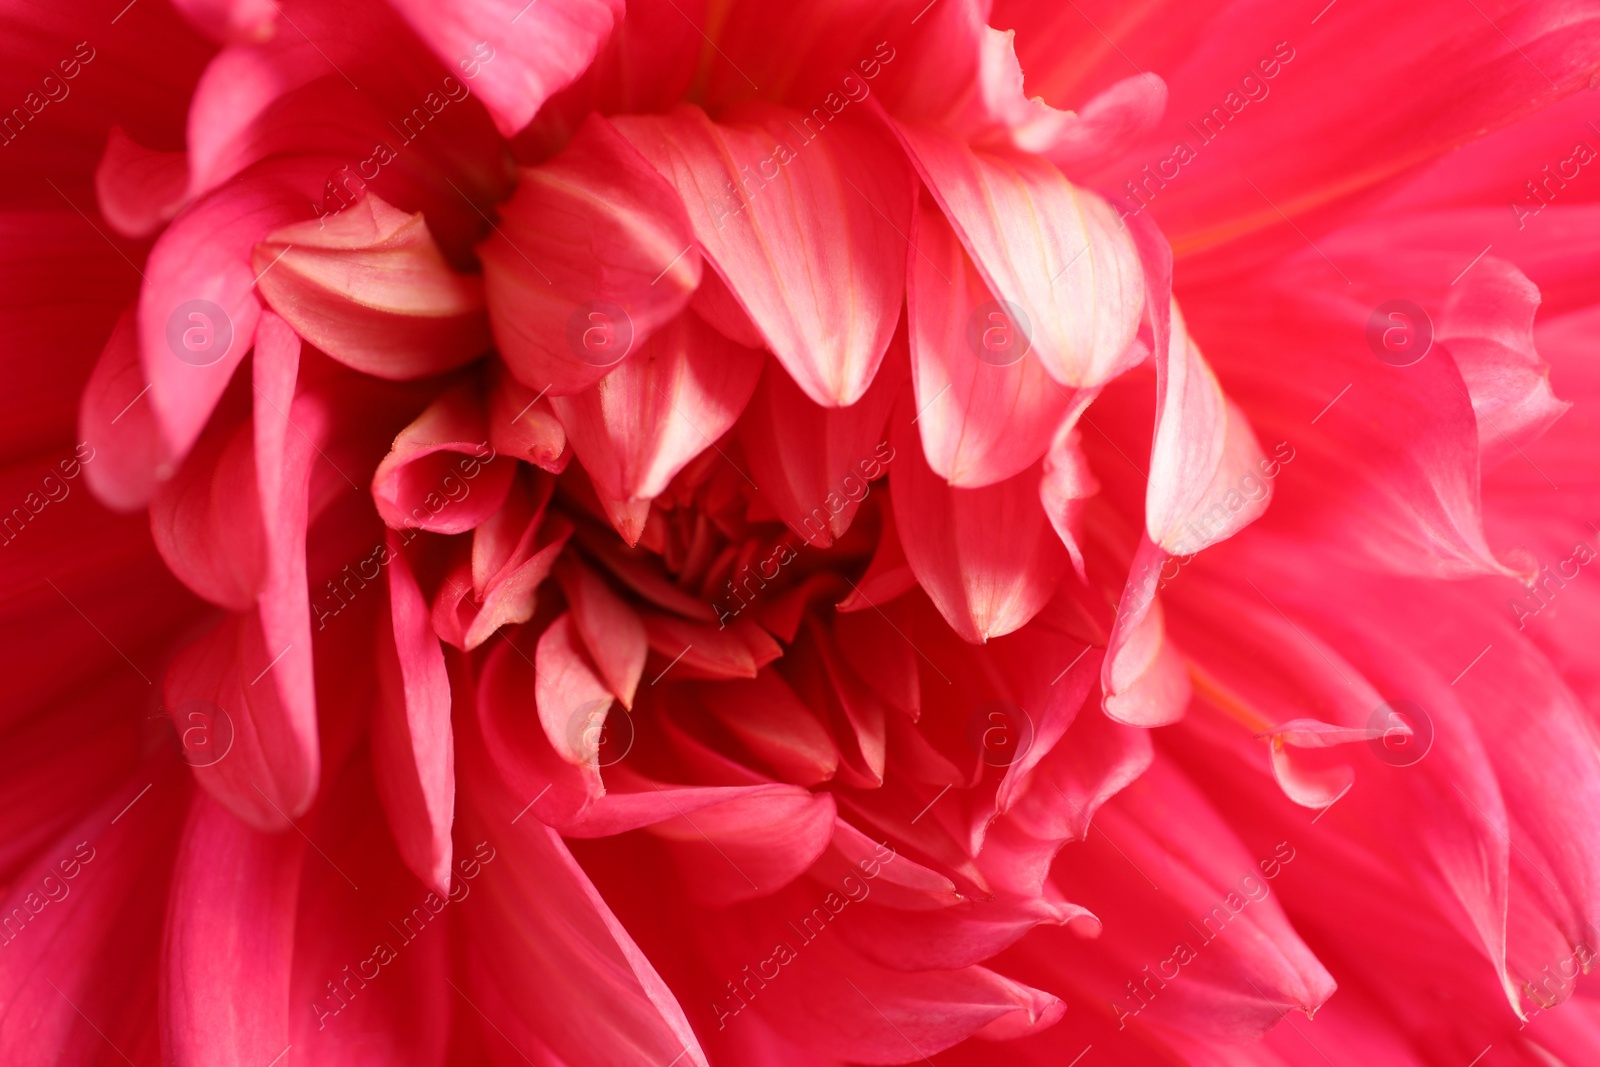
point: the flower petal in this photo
(198, 314)
(233, 898)
(814, 251)
(139, 189)
(814, 463)
(1055, 253)
(413, 750)
(514, 68)
(521, 424)
(611, 630)
(370, 287)
(115, 421)
(986, 409)
(987, 557)
(637, 427)
(429, 478)
(593, 255)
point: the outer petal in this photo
(370, 977)
(1268, 120)
(197, 315)
(119, 425)
(563, 981)
(91, 901)
(1306, 370)
(413, 747)
(813, 248)
(516, 56)
(1244, 965)
(850, 1007)
(233, 899)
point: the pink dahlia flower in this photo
(683, 532)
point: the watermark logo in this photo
(1399, 332)
(1000, 732)
(1403, 733)
(599, 333)
(595, 735)
(199, 332)
(205, 732)
(999, 333)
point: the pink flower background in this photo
(722, 532)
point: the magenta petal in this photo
(413, 748)
(826, 303)
(535, 50)
(987, 557)
(594, 255)
(233, 896)
(671, 400)
(441, 473)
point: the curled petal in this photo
(1231, 987)
(370, 287)
(139, 189)
(198, 314)
(1204, 464)
(120, 426)
(522, 424)
(1143, 676)
(572, 701)
(1065, 490)
(441, 475)
(1488, 329)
